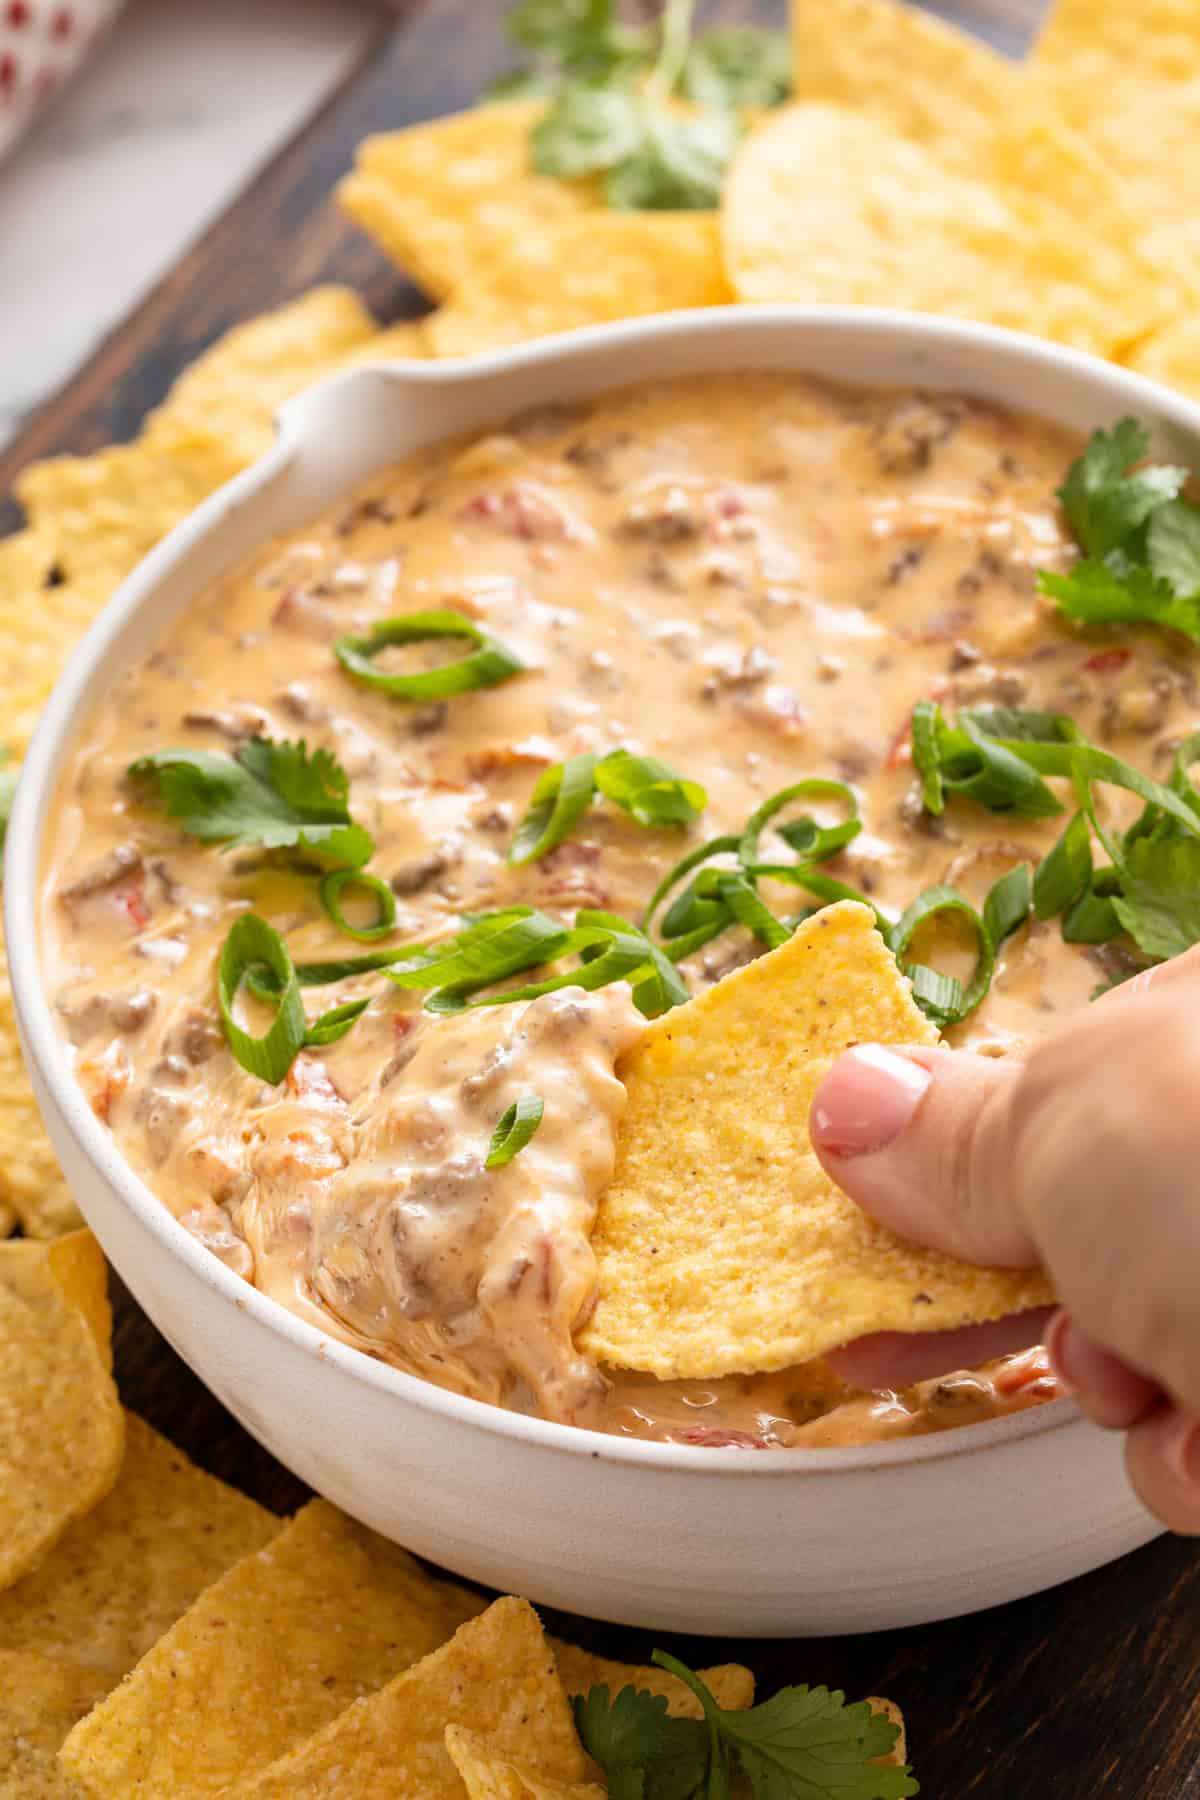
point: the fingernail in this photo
(866, 1100)
(1060, 1343)
(1184, 1452)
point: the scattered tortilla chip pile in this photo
(915, 167)
(722, 1246)
(163, 1635)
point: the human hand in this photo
(1084, 1156)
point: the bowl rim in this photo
(70, 702)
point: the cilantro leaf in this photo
(271, 794)
(1117, 592)
(677, 165)
(1173, 546)
(1104, 502)
(738, 67)
(645, 1754)
(1159, 903)
(586, 129)
(802, 1744)
(571, 40)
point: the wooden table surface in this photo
(1090, 1690)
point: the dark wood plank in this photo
(1092, 1689)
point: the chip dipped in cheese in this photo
(721, 1245)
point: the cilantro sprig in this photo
(804, 1743)
(1140, 540)
(274, 795)
(1149, 887)
(612, 86)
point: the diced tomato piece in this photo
(901, 750)
(132, 902)
(1107, 662)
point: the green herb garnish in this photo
(489, 663)
(802, 1744)
(332, 887)
(516, 1126)
(647, 789)
(253, 943)
(612, 88)
(1140, 541)
(275, 795)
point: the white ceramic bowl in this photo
(674, 1537)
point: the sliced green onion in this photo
(252, 942)
(1092, 919)
(335, 1023)
(487, 664)
(652, 791)
(934, 902)
(825, 887)
(517, 1125)
(750, 910)
(675, 923)
(1008, 902)
(926, 717)
(815, 789)
(1065, 872)
(940, 997)
(331, 890)
(562, 795)
(490, 949)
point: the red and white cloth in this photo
(42, 43)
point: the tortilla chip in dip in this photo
(121, 1575)
(731, 1686)
(268, 1654)
(487, 1776)
(586, 271)
(1128, 79)
(40, 1699)
(722, 1246)
(443, 198)
(496, 1676)
(61, 1426)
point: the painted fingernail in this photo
(866, 1100)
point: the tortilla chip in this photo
(722, 1246)
(989, 248)
(443, 199)
(897, 1756)
(584, 272)
(274, 1649)
(730, 1684)
(496, 1676)
(121, 1575)
(925, 79)
(232, 392)
(487, 1776)
(1172, 356)
(61, 1426)
(1128, 79)
(33, 1189)
(979, 116)
(40, 1699)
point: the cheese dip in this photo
(752, 578)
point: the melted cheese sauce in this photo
(753, 577)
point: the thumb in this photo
(920, 1139)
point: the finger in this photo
(919, 1138)
(1162, 1455)
(895, 1359)
(1109, 1391)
